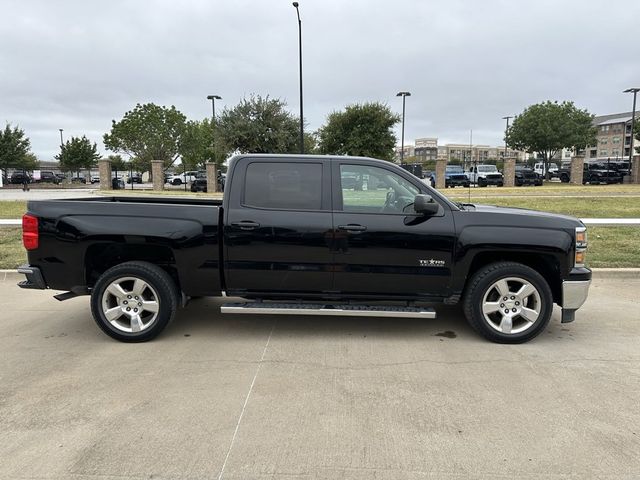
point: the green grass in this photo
(549, 188)
(625, 207)
(613, 247)
(12, 253)
(12, 208)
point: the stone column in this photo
(577, 170)
(212, 177)
(104, 169)
(635, 169)
(441, 167)
(509, 172)
(157, 174)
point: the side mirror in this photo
(425, 204)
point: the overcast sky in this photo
(77, 65)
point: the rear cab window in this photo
(283, 185)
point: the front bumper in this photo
(34, 280)
(574, 293)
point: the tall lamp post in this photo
(61, 142)
(506, 131)
(633, 122)
(404, 96)
(296, 5)
(213, 99)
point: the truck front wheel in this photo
(134, 301)
(508, 302)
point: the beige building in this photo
(427, 149)
(613, 136)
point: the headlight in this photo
(581, 246)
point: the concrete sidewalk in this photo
(252, 397)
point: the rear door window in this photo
(283, 185)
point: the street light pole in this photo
(296, 5)
(404, 95)
(506, 131)
(213, 99)
(633, 122)
(61, 142)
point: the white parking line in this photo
(246, 401)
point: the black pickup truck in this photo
(309, 235)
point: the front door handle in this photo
(245, 225)
(352, 227)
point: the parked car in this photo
(526, 176)
(454, 176)
(48, 177)
(199, 184)
(429, 178)
(484, 175)
(540, 170)
(61, 177)
(78, 180)
(414, 168)
(20, 177)
(180, 178)
(592, 173)
(272, 240)
(134, 178)
(95, 179)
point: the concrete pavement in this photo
(257, 397)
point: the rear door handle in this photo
(245, 225)
(352, 228)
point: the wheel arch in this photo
(546, 265)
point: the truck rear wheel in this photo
(134, 301)
(508, 302)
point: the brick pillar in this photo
(157, 174)
(577, 170)
(441, 167)
(635, 169)
(104, 169)
(509, 172)
(212, 177)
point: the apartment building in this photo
(427, 149)
(614, 139)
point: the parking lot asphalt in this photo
(259, 397)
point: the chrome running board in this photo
(326, 310)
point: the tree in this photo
(29, 162)
(148, 132)
(258, 125)
(198, 146)
(118, 163)
(361, 129)
(14, 148)
(636, 129)
(549, 127)
(77, 154)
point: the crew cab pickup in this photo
(309, 235)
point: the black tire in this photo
(176, 181)
(161, 286)
(481, 284)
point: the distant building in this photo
(427, 149)
(614, 139)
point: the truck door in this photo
(278, 227)
(382, 247)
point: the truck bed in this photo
(81, 238)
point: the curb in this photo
(598, 273)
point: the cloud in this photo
(77, 65)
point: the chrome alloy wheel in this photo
(511, 305)
(130, 304)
